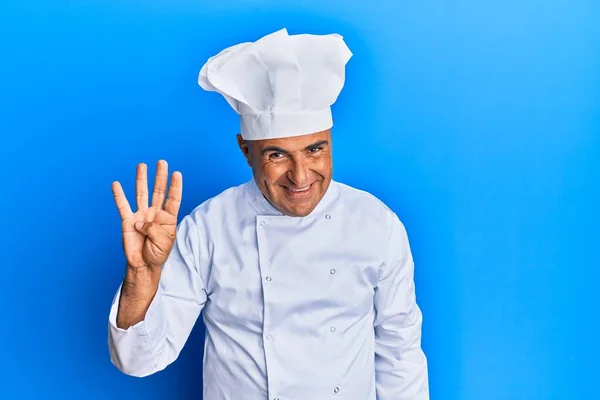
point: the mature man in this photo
(305, 284)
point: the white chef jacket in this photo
(312, 308)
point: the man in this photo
(305, 284)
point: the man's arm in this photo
(400, 363)
(155, 341)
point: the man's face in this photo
(292, 173)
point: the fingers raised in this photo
(121, 200)
(175, 190)
(160, 184)
(141, 186)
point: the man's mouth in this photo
(304, 189)
(298, 192)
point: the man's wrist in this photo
(140, 282)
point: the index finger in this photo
(175, 190)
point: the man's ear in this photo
(244, 148)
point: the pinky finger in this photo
(121, 200)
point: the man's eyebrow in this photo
(283, 151)
(317, 144)
(273, 148)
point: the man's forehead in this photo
(294, 142)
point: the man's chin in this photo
(298, 208)
(298, 203)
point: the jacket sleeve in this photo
(155, 342)
(400, 363)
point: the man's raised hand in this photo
(149, 232)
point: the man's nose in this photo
(298, 173)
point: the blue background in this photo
(478, 122)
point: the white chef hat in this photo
(280, 85)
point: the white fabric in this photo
(319, 307)
(281, 85)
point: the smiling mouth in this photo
(298, 191)
(304, 189)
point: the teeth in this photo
(299, 190)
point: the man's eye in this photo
(314, 149)
(275, 156)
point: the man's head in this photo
(293, 173)
(282, 87)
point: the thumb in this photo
(142, 227)
(156, 233)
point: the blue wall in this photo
(477, 121)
